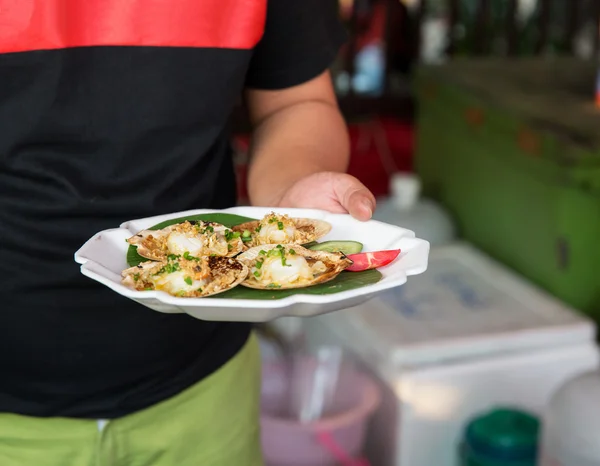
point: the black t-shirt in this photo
(109, 111)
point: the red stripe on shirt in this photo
(27, 25)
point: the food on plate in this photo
(186, 276)
(281, 229)
(345, 247)
(284, 266)
(191, 237)
(371, 260)
(194, 259)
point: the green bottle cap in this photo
(504, 434)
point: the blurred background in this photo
(476, 124)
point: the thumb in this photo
(354, 196)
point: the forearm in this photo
(294, 142)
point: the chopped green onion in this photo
(256, 273)
(188, 280)
(274, 253)
(231, 235)
(280, 225)
(259, 264)
(170, 267)
(136, 276)
(292, 252)
(188, 256)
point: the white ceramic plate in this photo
(103, 257)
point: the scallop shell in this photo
(151, 244)
(222, 274)
(307, 230)
(335, 263)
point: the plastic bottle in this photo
(406, 208)
(369, 77)
(571, 427)
(435, 31)
(370, 70)
(501, 437)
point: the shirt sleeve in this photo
(301, 40)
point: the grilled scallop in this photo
(281, 229)
(187, 276)
(194, 238)
(285, 266)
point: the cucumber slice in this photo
(310, 245)
(345, 247)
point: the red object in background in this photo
(378, 148)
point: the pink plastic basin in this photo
(335, 439)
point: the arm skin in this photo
(300, 151)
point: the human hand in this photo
(333, 192)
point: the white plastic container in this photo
(465, 337)
(406, 208)
(571, 424)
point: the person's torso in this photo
(107, 113)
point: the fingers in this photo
(354, 197)
(333, 192)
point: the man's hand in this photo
(334, 192)
(300, 151)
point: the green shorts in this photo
(213, 423)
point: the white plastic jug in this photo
(406, 208)
(571, 424)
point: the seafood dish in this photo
(281, 229)
(196, 259)
(195, 238)
(187, 276)
(285, 266)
